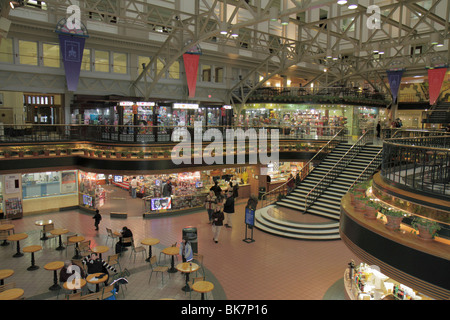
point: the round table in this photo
(6, 227)
(17, 237)
(100, 250)
(76, 240)
(54, 266)
(5, 273)
(94, 279)
(11, 294)
(171, 251)
(149, 242)
(203, 287)
(187, 268)
(43, 223)
(32, 250)
(75, 284)
(59, 232)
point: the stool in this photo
(54, 266)
(32, 250)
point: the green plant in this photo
(140, 154)
(431, 226)
(392, 213)
(98, 153)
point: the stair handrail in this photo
(331, 174)
(302, 174)
(376, 157)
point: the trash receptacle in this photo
(190, 233)
(262, 190)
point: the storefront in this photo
(43, 109)
(364, 282)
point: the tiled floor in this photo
(271, 268)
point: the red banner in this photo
(435, 79)
(191, 67)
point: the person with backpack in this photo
(97, 218)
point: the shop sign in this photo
(191, 106)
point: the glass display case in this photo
(41, 184)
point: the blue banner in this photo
(249, 217)
(395, 78)
(72, 53)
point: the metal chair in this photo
(157, 269)
(135, 250)
(68, 244)
(113, 260)
(110, 235)
(198, 258)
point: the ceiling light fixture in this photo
(285, 20)
(223, 28)
(273, 14)
(342, 2)
(434, 38)
(352, 5)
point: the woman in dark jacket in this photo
(217, 222)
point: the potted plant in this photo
(86, 152)
(372, 208)
(108, 154)
(141, 154)
(166, 153)
(92, 152)
(354, 193)
(127, 154)
(57, 151)
(394, 218)
(118, 154)
(36, 151)
(154, 154)
(7, 153)
(69, 151)
(427, 228)
(46, 152)
(99, 153)
(21, 152)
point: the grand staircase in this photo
(327, 205)
(438, 114)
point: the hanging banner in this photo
(435, 80)
(72, 53)
(191, 66)
(395, 78)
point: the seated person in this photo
(68, 272)
(125, 233)
(96, 265)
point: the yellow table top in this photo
(172, 251)
(203, 286)
(6, 273)
(75, 284)
(32, 248)
(55, 265)
(90, 277)
(43, 222)
(187, 267)
(11, 294)
(76, 239)
(57, 232)
(100, 249)
(6, 227)
(149, 241)
(17, 236)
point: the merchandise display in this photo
(280, 171)
(368, 283)
(13, 208)
(92, 195)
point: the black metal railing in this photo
(421, 163)
(152, 134)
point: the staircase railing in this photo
(332, 174)
(271, 196)
(367, 172)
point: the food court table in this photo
(11, 294)
(100, 250)
(75, 284)
(54, 266)
(97, 278)
(5, 273)
(171, 251)
(149, 242)
(59, 233)
(17, 237)
(202, 287)
(32, 250)
(76, 240)
(187, 268)
(43, 223)
(6, 227)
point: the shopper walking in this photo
(210, 204)
(217, 223)
(97, 218)
(133, 185)
(228, 208)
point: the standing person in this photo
(97, 218)
(378, 129)
(133, 185)
(210, 204)
(216, 188)
(235, 189)
(217, 223)
(167, 188)
(229, 209)
(96, 265)
(186, 251)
